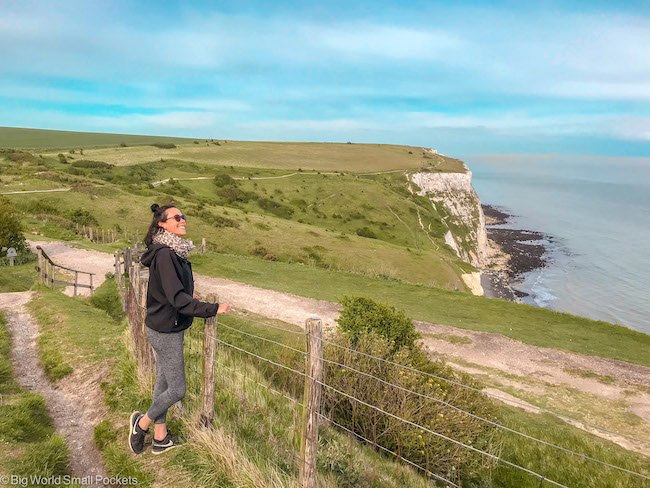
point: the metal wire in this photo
(437, 434)
(496, 424)
(546, 443)
(261, 357)
(429, 473)
(263, 339)
(301, 332)
(492, 395)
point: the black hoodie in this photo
(170, 304)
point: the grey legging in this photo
(170, 372)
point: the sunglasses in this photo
(177, 218)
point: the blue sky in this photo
(472, 78)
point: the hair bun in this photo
(155, 207)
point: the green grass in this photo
(28, 443)
(282, 155)
(532, 325)
(17, 137)
(73, 333)
(17, 278)
(584, 373)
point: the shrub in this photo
(62, 158)
(223, 179)
(417, 445)
(82, 216)
(276, 208)
(11, 232)
(363, 314)
(87, 163)
(366, 232)
(235, 194)
(164, 145)
(20, 156)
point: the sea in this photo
(596, 211)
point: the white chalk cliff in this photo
(456, 201)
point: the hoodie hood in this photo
(150, 253)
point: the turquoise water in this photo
(597, 210)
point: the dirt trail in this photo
(72, 402)
(513, 365)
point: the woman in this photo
(171, 308)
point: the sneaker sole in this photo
(131, 430)
(155, 453)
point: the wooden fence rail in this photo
(46, 269)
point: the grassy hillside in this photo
(312, 234)
(282, 155)
(42, 139)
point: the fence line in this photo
(46, 269)
(374, 444)
(450, 405)
(492, 395)
(134, 300)
(474, 449)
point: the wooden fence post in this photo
(314, 369)
(146, 351)
(52, 268)
(209, 360)
(91, 234)
(92, 288)
(40, 265)
(203, 246)
(76, 280)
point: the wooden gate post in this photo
(314, 369)
(209, 360)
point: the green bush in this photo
(361, 315)
(366, 232)
(275, 208)
(82, 216)
(223, 179)
(88, 163)
(413, 443)
(11, 232)
(232, 194)
(164, 145)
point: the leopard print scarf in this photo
(181, 246)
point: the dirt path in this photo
(69, 401)
(603, 391)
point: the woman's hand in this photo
(224, 308)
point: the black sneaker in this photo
(136, 434)
(169, 442)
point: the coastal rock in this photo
(455, 199)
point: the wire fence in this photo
(298, 360)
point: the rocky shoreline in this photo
(514, 253)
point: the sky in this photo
(464, 77)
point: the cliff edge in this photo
(456, 201)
